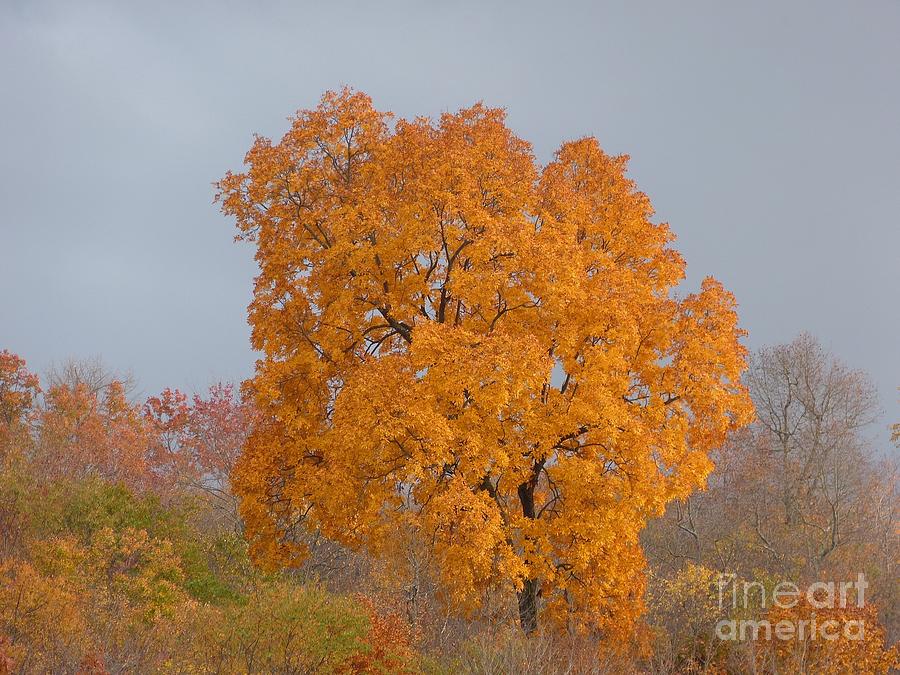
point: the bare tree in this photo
(91, 373)
(801, 493)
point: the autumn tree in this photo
(801, 494)
(91, 373)
(195, 442)
(82, 431)
(459, 342)
(802, 487)
(18, 390)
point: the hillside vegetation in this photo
(121, 550)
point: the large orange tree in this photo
(460, 344)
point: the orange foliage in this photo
(389, 641)
(18, 390)
(857, 646)
(168, 415)
(83, 432)
(488, 352)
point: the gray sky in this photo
(766, 133)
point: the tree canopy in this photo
(466, 349)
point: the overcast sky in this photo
(766, 133)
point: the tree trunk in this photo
(528, 606)
(527, 597)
